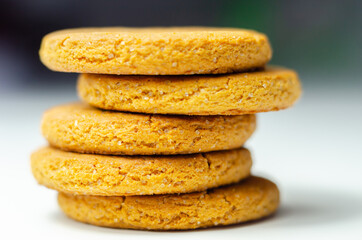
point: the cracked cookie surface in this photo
(271, 89)
(78, 127)
(155, 51)
(89, 174)
(250, 199)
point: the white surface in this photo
(312, 151)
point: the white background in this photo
(312, 151)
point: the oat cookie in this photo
(155, 51)
(250, 199)
(271, 89)
(80, 128)
(90, 174)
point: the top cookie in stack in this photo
(155, 51)
(210, 71)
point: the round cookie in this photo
(81, 128)
(154, 51)
(89, 174)
(271, 89)
(250, 199)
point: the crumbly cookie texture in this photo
(80, 128)
(154, 51)
(251, 199)
(89, 174)
(271, 89)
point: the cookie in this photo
(250, 199)
(89, 174)
(80, 128)
(271, 89)
(154, 51)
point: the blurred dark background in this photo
(320, 39)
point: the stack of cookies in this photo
(158, 142)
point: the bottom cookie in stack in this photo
(250, 199)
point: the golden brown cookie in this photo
(89, 174)
(155, 51)
(251, 199)
(241, 93)
(80, 128)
